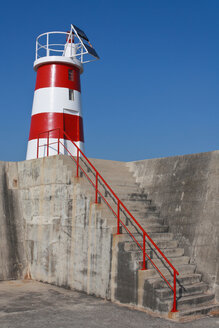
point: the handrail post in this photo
(58, 141)
(174, 309)
(118, 218)
(77, 174)
(96, 189)
(48, 144)
(144, 260)
(38, 147)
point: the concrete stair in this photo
(193, 296)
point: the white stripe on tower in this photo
(54, 100)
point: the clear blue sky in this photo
(154, 92)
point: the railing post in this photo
(48, 144)
(174, 309)
(58, 141)
(38, 147)
(118, 218)
(77, 174)
(47, 44)
(71, 41)
(36, 56)
(144, 260)
(96, 189)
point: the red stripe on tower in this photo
(73, 126)
(58, 75)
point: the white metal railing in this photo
(56, 43)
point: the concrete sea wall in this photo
(51, 230)
(187, 190)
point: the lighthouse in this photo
(56, 120)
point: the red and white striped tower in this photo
(57, 96)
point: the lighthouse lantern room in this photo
(56, 118)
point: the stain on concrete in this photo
(127, 277)
(9, 215)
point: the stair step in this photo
(149, 229)
(176, 254)
(138, 205)
(168, 252)
(134, 196)
(121, 184)
(115, 174)
(143, 212)
(155, 236)
(151, 223)
(183, 280)
(127, 190)
(146, 223)
(199, 310)
(144, 215)
(194, 301)
(113, 169)
(189, 290)
(150, 220)
(176, 262)
(182, 269)
(127, 197)
(166, 244)
(160, 263)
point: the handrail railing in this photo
(55, 43)
(120, 205)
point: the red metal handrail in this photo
(119, 206)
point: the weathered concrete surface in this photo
(187, 190)
(12, 251)
(32, 304)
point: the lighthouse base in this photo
(43, 149)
